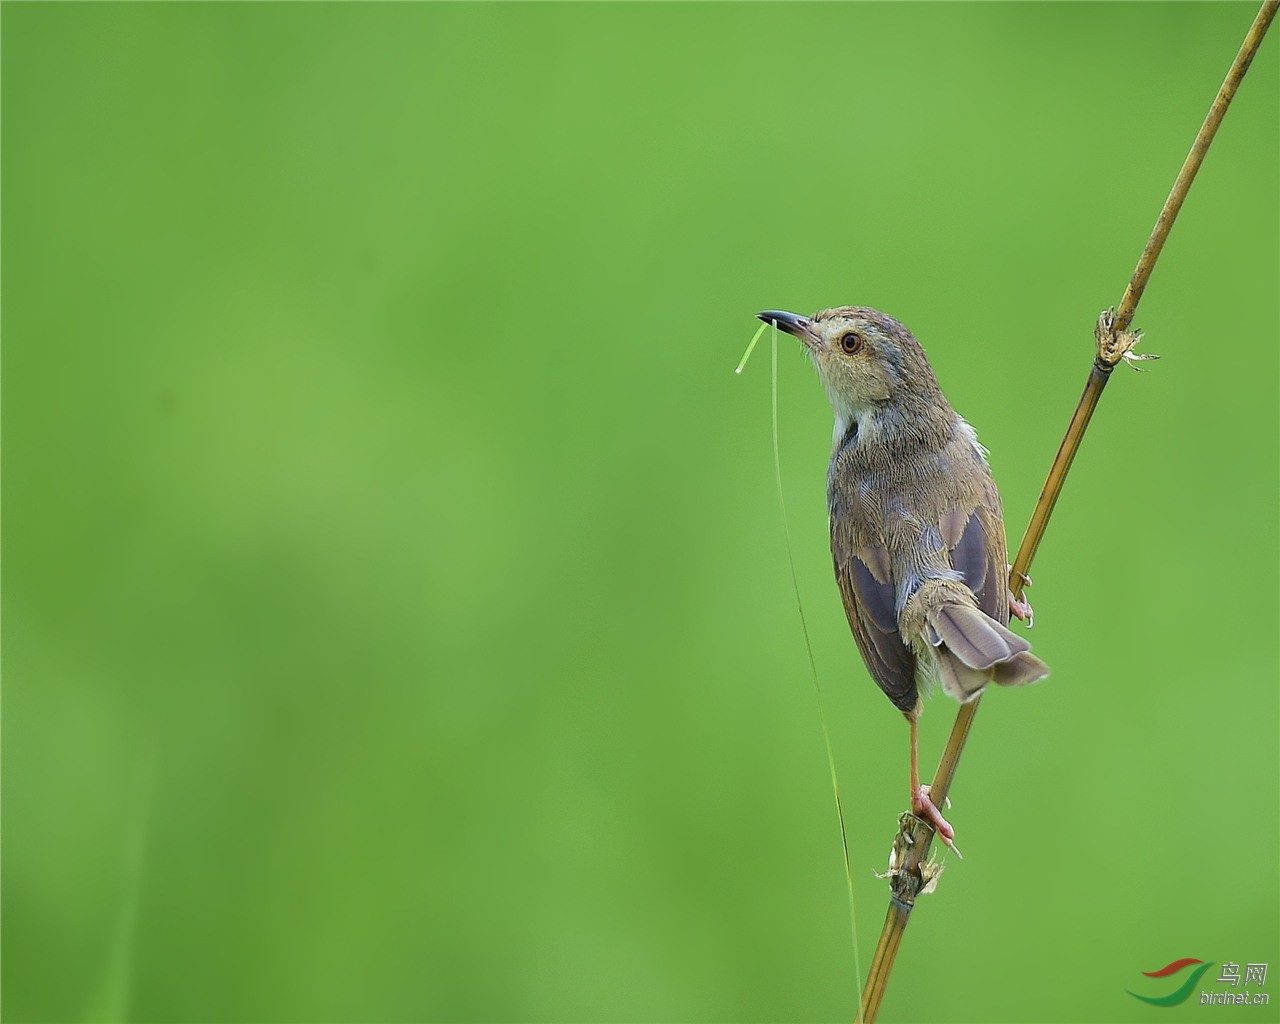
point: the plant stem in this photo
(1114, 342)
(1146, 263)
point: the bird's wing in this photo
(975, 542)
(869, 602)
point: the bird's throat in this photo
(891, 430)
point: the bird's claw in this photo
(1020, 608)
(922, 806)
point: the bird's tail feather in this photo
(1019, 670)
(974, 650)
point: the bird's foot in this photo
(922, 806)
(1020, 608)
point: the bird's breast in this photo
(897, 500)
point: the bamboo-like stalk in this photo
(1114, 342)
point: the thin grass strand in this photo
(747, 354)
(813, 666)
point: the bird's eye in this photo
(851, 342)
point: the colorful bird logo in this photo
(1179, 995)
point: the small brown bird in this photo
(917, 534)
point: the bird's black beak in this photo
(792, 323)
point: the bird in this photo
(917, 529)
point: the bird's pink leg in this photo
(921, 805)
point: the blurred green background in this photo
(397, 614)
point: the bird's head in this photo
(867, 361)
